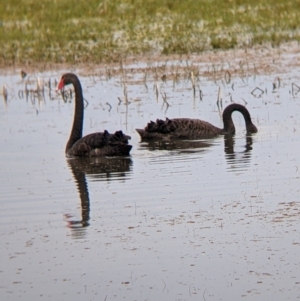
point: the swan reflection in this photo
(96, 169)
(102, 168)
(237, 160)
(182, 146)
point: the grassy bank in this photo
(96, 31)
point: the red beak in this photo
(60, 85)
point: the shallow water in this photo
(213, 219)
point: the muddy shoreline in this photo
(254, 60)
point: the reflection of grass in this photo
(94, 30)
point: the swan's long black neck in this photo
(76, 132)
(228, 123)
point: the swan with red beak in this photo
(95, 144)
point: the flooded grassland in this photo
(212, 219)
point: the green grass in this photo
(96, 31)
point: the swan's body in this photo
(92, 145)
(186, 128)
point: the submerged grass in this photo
(71, 31)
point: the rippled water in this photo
(212, 219)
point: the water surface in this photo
(212, 219)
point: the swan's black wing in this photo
(118, 137)
(101, 144)
(178, 128)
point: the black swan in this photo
(186, 128)
(96, 144)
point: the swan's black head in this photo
(66, 79)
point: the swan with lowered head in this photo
(95, 144)
(186, 128)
